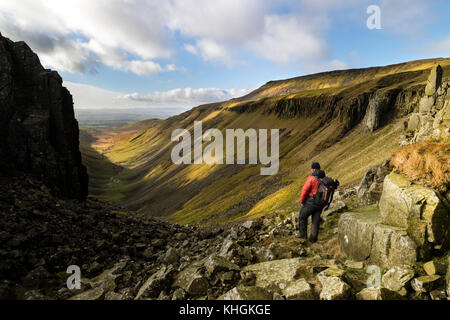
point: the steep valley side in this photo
(346, 120)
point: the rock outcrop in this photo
(371, 186)
(431, 118)
(38, 130)
(411, 222)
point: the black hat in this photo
(315, 166)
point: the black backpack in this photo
(325, 192)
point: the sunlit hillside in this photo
(321, 118)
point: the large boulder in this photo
(391, 247)
(355, 232)
(397, 277)
(192, 280)
(275, 273)
(156, 283)
(215, 264)
(333, 287)
(38, 130)
(426, 283)
(371, 186)
(298, 290)
(102, 284)
(417, 209)
(362, 237)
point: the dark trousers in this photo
(309, 209)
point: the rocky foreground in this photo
(123, 256)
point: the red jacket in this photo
(309, 189)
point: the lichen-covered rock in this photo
(434, 267)
(356, 234)
(171, 256)
(426, 283)
(247, 293)
(102, 284)
(274, 273)
(391, 247)
(397, 277)
(215, 264)
(417, 209)
(371, 186)
(38, 130)
(362, 237)
(192, 280)
(298, 290)
(333, 287)
(369, 294)
(158, 282)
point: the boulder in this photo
(355, 232)
(215, 264)
(438, 295)
(298, 290)
(247, 293)
(171, 256)
(434, 267)
(391, 247)
(102, 284)
(156, 283)
(362, 237)
(371, 186)
(426, 283)
(274, 273)
(417, 209)
(397, 277)
(369, 294)
(192, 280)
(333, 287)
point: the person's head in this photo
(315, 166)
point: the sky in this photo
(182, 53)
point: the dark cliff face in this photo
(38, 130)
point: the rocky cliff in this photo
(38, 130)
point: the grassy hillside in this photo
(320, 117)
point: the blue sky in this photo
(181, 53)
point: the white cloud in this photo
(186, 96)
(287, 39)
(190, 48)
(90, 97)
(75, 35)
(404, 16)
(441, 48)
(212, 51)
(130, 35)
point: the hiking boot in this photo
(312, 240)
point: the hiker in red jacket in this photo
(309, 208)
